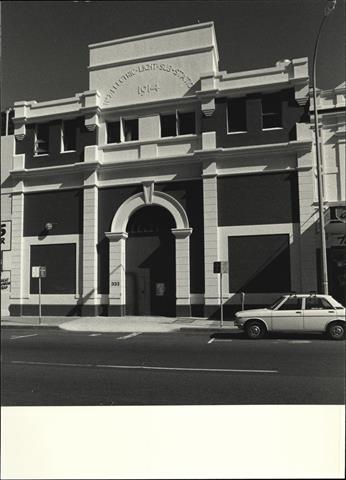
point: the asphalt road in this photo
(55, 367)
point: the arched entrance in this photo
(118, 237)
(150, 263)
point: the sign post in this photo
(39, 272)
(220, 268)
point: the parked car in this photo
(295, 313)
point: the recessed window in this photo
(130, 130)
(178, 123)
(186, 123)
(168, 125)
(69, 134)
(42, 139)
(236, 115)
(123, 130)
(113, 132)
(271, 111)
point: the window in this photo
(259, 263)
(316, 303)
(130, 130)
(292, 303)
(271, 111)
(42, 139)
(178, 123)
(123, 130)
(113, 132)
(236, 115)
(69, 133)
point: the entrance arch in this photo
(117, 249)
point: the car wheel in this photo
(255, 329)
(336, 331)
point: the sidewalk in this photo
(121, 324)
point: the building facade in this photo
(129, 192)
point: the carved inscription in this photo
(164, 67)
(147, 89)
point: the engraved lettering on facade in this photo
(143, 68)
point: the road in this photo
(56, 367)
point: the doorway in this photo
(150, 263)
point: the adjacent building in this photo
(129, 192)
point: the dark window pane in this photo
(293, 303)
(259, 263)
(271, 111)
(42, 138)
(237, 115)
(168, 125)
(187, 123)
(60, 263)
(69, 134)
(113, 132)
(316, 303)
(130, 130)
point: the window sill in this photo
(271, 128)
(41, 155)
(237, 133)
(68, 151)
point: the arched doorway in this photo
(150, 262)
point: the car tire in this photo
(255, 329)
(336, 331)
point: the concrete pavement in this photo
(121, 324)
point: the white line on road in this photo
(142, 367)
(211, 340)
(129, 336)
(299, 341)
(95, 334)
(15, 337)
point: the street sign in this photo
(221, 267)
(6, 233)
(38, 272)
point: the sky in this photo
(44, 45)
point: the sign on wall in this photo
(6, 234)
(6, 280)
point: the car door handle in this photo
(330, 311)
(299, 313)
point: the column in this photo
(211, 250)
(117, 291)
(308, 221)
(16, 296)
(89, 252)
(182, 265)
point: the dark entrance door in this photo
(150, 263)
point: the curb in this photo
(215, 329)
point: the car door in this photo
(317, 313)
(288, 316)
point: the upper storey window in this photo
(178, 123)
(271, 111)
(42, 139)
(236, 115)
(123, 130)
(69, 135)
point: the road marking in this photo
(211, 340)
(95, 334)
(129, 336)
(23, 336)
(220, 340)
(142, 367)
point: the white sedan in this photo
(295, 313)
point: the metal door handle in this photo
(330, 311)
(299, 312)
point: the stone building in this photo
(129, 192)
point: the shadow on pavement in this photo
(271, 336)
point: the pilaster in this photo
(90, 212)
(211, 249)
(308, 219)
(182, 256)
(16, 295)
(117, 293)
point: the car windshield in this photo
(276, 303)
